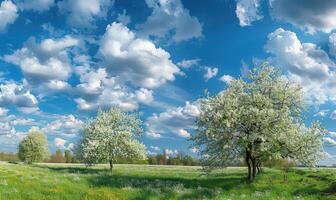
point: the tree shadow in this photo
(314, 189)
(331, 190)
(73, 170)
(158, 186)
(166, 187)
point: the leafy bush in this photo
(33, 148)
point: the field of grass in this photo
(62, 181)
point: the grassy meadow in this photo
(75, 181)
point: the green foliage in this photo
(256, 118)
(76, 182)
(69, 157)
(33, 148)
(110, 136)
(57, 157)
(284, 164)
(161, 159)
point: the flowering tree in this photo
(256, 118)
(111, 135)
(33, 148)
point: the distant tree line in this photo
(60, 157)
(179, 159)
(8, 157)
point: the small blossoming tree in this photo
(33, 148)
(256, 118)
(111, 135)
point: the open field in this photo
(62, 181)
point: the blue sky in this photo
(60, 60)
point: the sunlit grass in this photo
(61, 181)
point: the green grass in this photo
(61, 181)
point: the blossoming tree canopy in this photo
(111, 135)
(256, 118)
(33, 148)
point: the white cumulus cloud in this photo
(170, 16)
(59, 143)
(83, 13)
(248, 11)
(175, 120)
(8, 14)
(135, 60)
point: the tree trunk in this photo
(249, 167)
(254, 168)
(111, 165)
(259, 167)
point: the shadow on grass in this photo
(331, 190)
(313, 189)
(164, 187)
(160, 186)
(73, 170)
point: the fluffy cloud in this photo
(97, 89)
(156, 148)
(332, 44)
(47, 62)
(332, 134)
(322, 113)
(8, 14)
(14, 94)
(83, 13)
(135, 60)
(176, 120)
(305, 63)
(3, 111)
(176, 20)
(329, 141)
(171, 152)
(124, 18)
(64, 125)
(35, 5)
(144, 96)
(210, 73)
(23, 122)
(248, 11)
(59, 143)
(183, 133)
(309, 15)
(153, 135)
(226, 79)
(188, 63)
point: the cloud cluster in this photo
(59, 143)
(210, 72)
(309, 15)
(177, 120)
(15, 94)
(329, 141)
(226, 79)
(63, 125)
(179, 25)
(8, 14)
(188, 63)
(306, 64)
(83, 13)
(97, 89)
(135, 60)
(35, 5)
(248, 11)
(46, 64)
